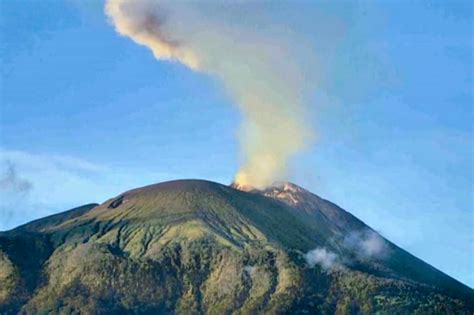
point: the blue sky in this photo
(86, 114)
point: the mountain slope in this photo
(195, 246)
(337, 223)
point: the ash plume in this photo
(259, 72)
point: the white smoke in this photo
(323, 257)
(367, 244)
(259, 72)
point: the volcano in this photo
(199, 247)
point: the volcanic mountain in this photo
(199, 247)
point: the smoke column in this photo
(258, 72)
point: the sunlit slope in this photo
(334, 224)
(195, 246)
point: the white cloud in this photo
(321, 256)
(50, 183)
(36, 185)
(56, 180)
(35, 161)
(367, 244)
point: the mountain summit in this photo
(199, 247)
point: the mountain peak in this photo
(241, 187)
(287, 192)
(197, 243)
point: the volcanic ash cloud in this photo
(258, 71)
